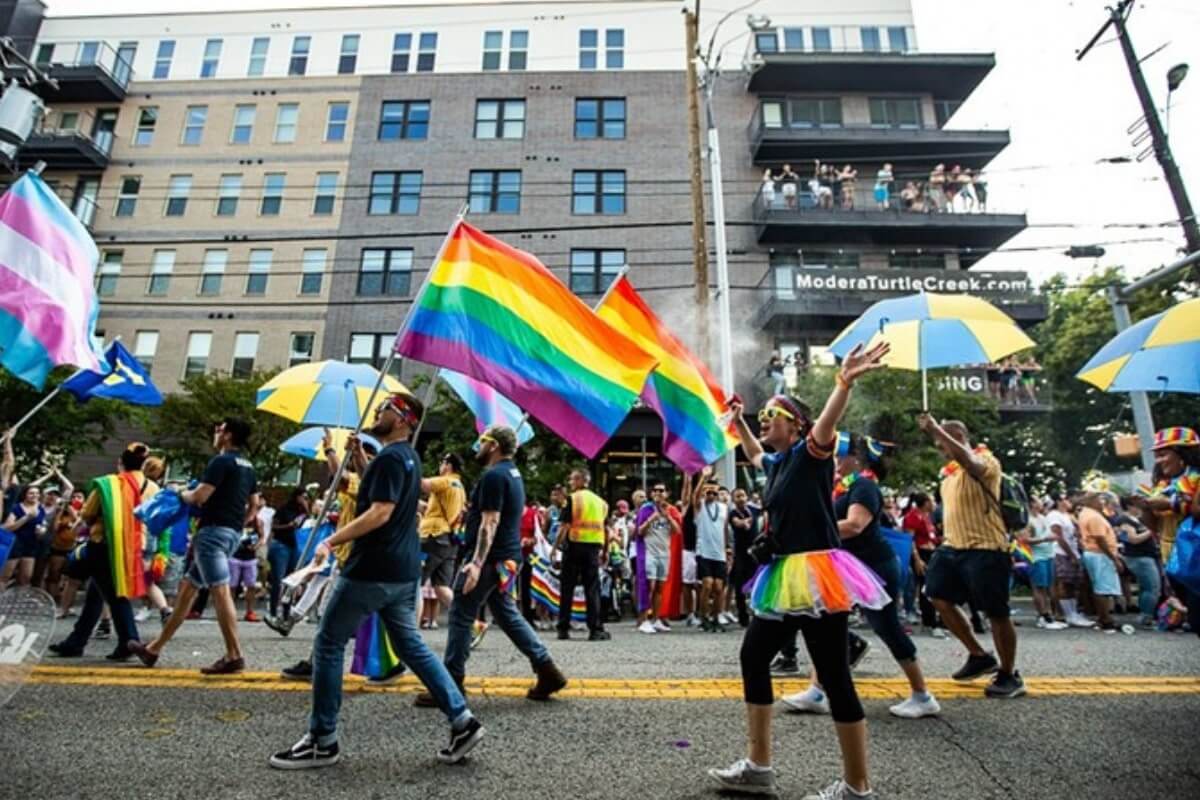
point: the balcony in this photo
(87, 72)
(62, 141)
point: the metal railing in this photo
(885, 39)
(805, 195)
(92, 53)
(74, 125)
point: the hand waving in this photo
(860, 361)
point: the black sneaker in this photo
(306, 754)
(564, 635)
(103, 630)
(392, 675)
(300, 671)
(164, 615)
(599, 636)
(1006, 686)
(61, 650)
(281, 625)
(784, 665)
(462, 741)
(976, 667)
(859, 647)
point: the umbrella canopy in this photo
(307, 443)
(935, 330)
(331, 393)
(1159, 354)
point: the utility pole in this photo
(691, 22)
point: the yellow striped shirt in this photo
(971, 519)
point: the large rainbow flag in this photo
(499, 315)
(48, 305)
(681, 389)
(119, 496)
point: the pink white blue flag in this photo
(48, 304)
(489, 406)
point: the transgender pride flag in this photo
(489, 406)
(48, 305)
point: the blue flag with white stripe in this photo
(126, 379)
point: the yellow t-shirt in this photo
(446, 501)
(347, 508)
(1094, 531)
(972, 519)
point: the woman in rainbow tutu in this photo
(805, 581)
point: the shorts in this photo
(23, 547)
(1103, 573)
(689, 567)
(657, 567)
(1041, 573)
(789, 190)
(1067, 570)
(211, 550)
(711, 568)
(881, 194)
(243, 572)
(978, 577)
(440, 553)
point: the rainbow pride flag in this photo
(544, 588)
(374, 656)
(48, 305)
(489, 406)
(119, 496)
(499, 315)
(681, 389)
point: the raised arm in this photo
(857, 363)
(958, 451)
(750, 445)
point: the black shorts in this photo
(710, 568)
(980, 577)
(440, 554)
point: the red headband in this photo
(398, 404)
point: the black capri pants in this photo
(827, 640)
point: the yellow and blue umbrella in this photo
(331, 393)
(1159, 354)
(307, 443)
(928, 330)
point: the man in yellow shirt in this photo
(447, 499)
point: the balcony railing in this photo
(86, 70)
(68, 140)
(794, 198)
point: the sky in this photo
(1063, 116)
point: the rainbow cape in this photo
(544, 589)
(499, 315)
(1021, 552)
(119, 496)
(681, 389)
(373, 653)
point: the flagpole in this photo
(12, 430)
(429, 390)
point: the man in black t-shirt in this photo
(492, 565)
(745, 523)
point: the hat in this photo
(1175, 437)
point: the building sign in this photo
(968, 381)
(911, 281)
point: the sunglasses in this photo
(486, 438)
(771, 412)
(658, 491)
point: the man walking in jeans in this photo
(382, 574)
(228, 498)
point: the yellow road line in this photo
(603, 688)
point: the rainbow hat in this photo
(1175, 437)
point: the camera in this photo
(763, 549)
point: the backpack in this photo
(1013, 503)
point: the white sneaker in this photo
(726, 618)
(838, 790)
(811, 701)
(912, 708)
(744, 779)
(692, 621)
(1052, 625)
(1080, 621)
(142, 615)
(661, 627)
(647, 627)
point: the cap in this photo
(1175, 437)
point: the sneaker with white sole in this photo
(306, 754)
(745, 778)
(1080, 621)
(142, 615)
(912, 708)
(839, 790)
(462, 741)
(692, 621)
(811, 701)
(937, 633)
(661, 627)
(647, 627)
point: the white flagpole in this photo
(12, 431)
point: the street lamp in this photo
(1175, 76)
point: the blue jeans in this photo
(211, 549)
(283, 559)
(505, 614)
(350, 604)
(1145, 571)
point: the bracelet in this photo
(842, 382)
(330, 451)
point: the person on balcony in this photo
(768, 189)
(788, 182)
(849, 182)
(821, 184)
(883, 187)
(937, 188)
(966, 191)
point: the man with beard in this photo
(383, 575)
(491, 567)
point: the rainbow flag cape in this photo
(1021, 552)
(119, 496)
(499, 315)
(373, 653)
(544, 589)
(48, 305)
(681, 389)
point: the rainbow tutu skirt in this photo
(814, 583)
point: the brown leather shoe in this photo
(224, 666)
(144, 655)
(549, 681)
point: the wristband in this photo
(330, 451)
(842, 382)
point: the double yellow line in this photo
(602, 688)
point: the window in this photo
(245, 348)
(403, 119)
(426, 52)
(336, 120)
(110, 271)
(372, 348)
(213, 270)
(258, 57)
(600, 118)
(259, 272)
(243, 124)
(45, 53)
(161, 266)
(588, 44)
(614, 48)
(385, 272)
(822, 39)
(594, 192)
(178, 187)
(198, 347)
(212, 57)
(326, 192)
(298, 64)
(272, 194)
(793, 39)
(301, 349)
(828, 259)
(104, 129)
(68, 120)
(401, 47)
(312, 270)
(127, 196)
(766, 42)
(145, 345)
(898, 39)
(518, 50)
(916, 261)
(499, 119)
(493, 43)
(870, 40)
(395, 193)
(87, 190)
(88, 52)
(348, 58)
(495, 191)
(803, 112)
(593, 270)
(123, 66)
(162, 60)
(895, 112)
(229, 188)
(143, 134)
(193, 124)
(286, 118)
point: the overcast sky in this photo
(1063, 115)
